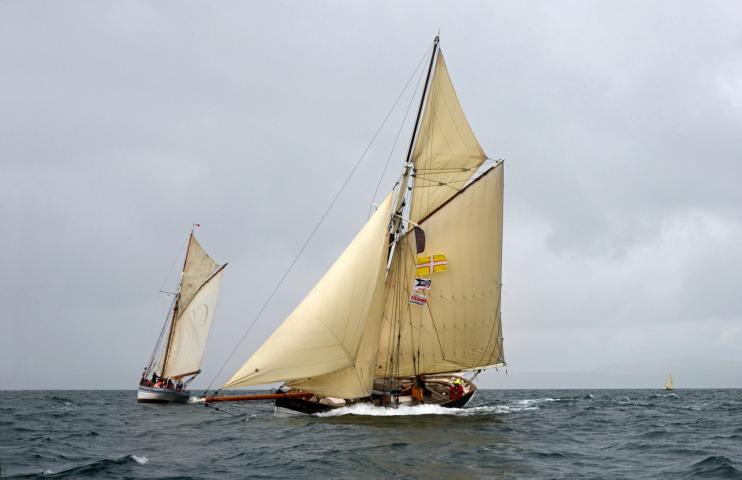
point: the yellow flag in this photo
(433, 263)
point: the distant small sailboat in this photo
(176, 358)
(668, 383)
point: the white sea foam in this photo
(47, 472)
(140, 460)
(366, 409)
(534, 401)
(403, 410)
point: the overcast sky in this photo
(122, 123)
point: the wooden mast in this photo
(175, 304)
(422, 99)
(400, 203)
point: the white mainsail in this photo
(193, 313)
(329, 328)
(191, 330)
(459, 327)
(668, 383)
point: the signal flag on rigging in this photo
(418, 298)
(428, 265)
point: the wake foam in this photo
(534, 401)
(403, 410)
(365, 409)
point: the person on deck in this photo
(456, 390)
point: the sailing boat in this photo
(414, 301)
(668, 383)
(176, 358)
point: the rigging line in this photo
(222, 410)
(183, 249)
(314, 231)
(438, 184)
(169, 310)
(158, 344)
(415, 356)
(399, 132)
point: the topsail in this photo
(446, 152)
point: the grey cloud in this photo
(123, 123)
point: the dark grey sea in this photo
(503, 434)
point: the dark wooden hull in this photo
(310, 408)
(303, 406)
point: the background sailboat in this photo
(378, 326)
(176, 359)
(668, 383)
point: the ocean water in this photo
(502, 434)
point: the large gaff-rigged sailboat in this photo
(414, 301)
(176, 358)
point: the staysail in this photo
(331, 329)
(459, 327)
(193, 312)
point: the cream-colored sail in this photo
(326, 332)
(191, 330)
(668, 383)
(197, 269)
(459, 327)
(446, 152)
